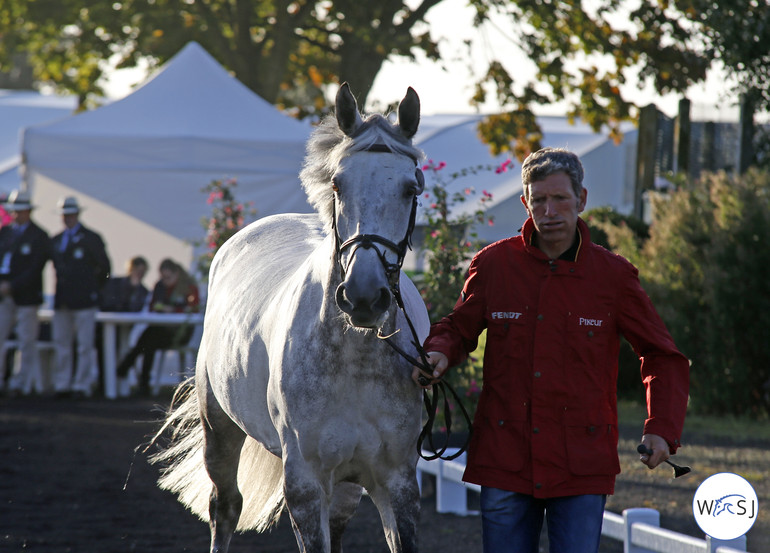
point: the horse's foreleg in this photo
(308, 506)
(223, 443)
(345, 500)
(399, 505)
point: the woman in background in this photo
(175, 292)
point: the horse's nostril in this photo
(342, 301)
(383, 301)
(362, 308)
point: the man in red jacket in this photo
(554, 305)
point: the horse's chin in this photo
(365, 324)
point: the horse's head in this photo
(375, 182)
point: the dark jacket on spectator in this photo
(27, 255)
(81, 269)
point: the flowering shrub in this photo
(227, 217)
(450, 241)
(449, 245)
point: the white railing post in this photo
(632, 516)
(714, 545)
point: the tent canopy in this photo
(19, 109)
(149, 154)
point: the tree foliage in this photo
(704, 267)
(284, 50)
(288, 51)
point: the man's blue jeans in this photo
(512, 522)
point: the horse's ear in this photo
(409, 113)
(348, 117)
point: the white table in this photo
(112, 322)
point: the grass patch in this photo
(736, 429)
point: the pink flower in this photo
(504, 166)
(434, 234)
(468, 191)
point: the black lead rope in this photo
(430, 401)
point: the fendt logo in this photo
(725, 506)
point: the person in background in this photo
(82, 268)
(24, 250)
(545, 433)
(126, 294)
(175, 292)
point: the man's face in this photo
(70, 219)
(554, 208)
(21, 217)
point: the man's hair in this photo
(546, 162)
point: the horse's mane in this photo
(328, 145)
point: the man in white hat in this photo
(24, 250)
(82, 268)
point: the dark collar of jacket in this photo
(572, 254)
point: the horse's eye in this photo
(335, 186)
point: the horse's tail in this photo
(260, 473)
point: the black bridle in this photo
(368, 241)
(393, 271)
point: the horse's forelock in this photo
(328, 145)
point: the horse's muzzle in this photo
(364, 308)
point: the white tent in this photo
(138, 165)
(453, 139)
(19, 109)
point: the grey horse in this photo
(297, 403)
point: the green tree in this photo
(284, 50)
(289, 51)
(704, 267)
(735, 33)
(586, 54)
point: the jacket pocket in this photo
(508, 343)
(501, 442)
(592, 444)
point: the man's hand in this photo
(5, 288)
(438, 361)
(659, 449)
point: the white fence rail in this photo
(638, 529)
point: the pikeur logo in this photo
(505, 315)
(590, 322)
